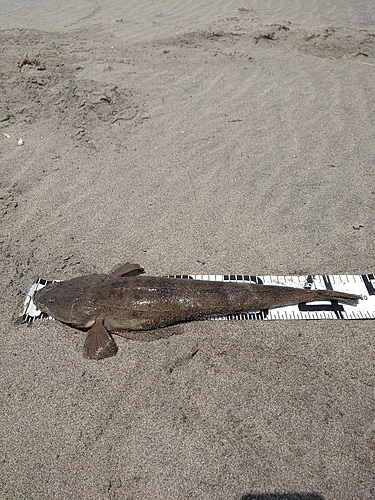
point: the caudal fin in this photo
(333, 295)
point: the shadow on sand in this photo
(282, 496)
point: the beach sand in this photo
(208, 137)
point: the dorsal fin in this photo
(128, 269)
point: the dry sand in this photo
(240, 135)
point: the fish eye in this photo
(52, 300)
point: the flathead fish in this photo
(124, 301)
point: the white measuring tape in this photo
(363, 285)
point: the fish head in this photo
(69, 301)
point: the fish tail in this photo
(333, 295)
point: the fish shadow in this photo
(282, 496)
(140, 335)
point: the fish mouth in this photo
(39, 303)
(40, 294)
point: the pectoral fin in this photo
(99, 344)
(127, 269)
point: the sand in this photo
(203, 137)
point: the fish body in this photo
(124, 301)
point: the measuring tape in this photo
(363, 285)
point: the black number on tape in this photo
(368, 279)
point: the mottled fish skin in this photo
(124, 301)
